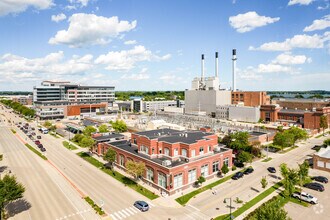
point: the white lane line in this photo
(113, 217)
(117, 215)
(125, 212)
(122, 214)
(151, 204)
(138, 210)
(130, 211)
(193, 207)
(135, 210)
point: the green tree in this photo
(226, 140)
(299, 96)
(290, 179)
(239, 140)
(298, 134)
(110, 156)
(89, 130)
(103, 128)
(283, 139)
(77, 138)
(244, 157)
(10, 190)
(47, 124)
(264, 182)
(136, 169)
(303, 169)
(271, 211)
(119, 125)
(323, 122)
(201, 180)
(87, 142)
(224, 169)
(280, 128)
(326, 142)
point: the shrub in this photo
(233, 168)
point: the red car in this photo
(37, 142)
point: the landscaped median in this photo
(118, 176)
(185, 198)
(97, 208)
(36, 151)
(267, 159)
(69, 146)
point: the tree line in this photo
(19, 108)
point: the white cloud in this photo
(326, 6)
(59, 17)
(126, 59)
(139, 76)
(17, 6)
(249, 21)
(288, 59)
(90, 29)
(130, 42)
(300, 2)
(77, 3)
(272, 68)
(13, 67)
(319, 24)
(297, 41)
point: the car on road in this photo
(305, 197)
(141, 205)
(248, 170)
(39, 137)
(40, 146)
(237, 175)
(321, 179)
(33, 128)
(43, 149)
(37, 142)
(33, 133)
(315, 186)
(271, 169)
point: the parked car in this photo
(321, 179)
(40, 146)
(141, 205)
(33, 129)
(239, 164)
(43, 149)
(37, 142)
(248, 170)
(39, 137)
(305, 197)
(271, 169)
(237, 175)
(33, 133)
(315, 186)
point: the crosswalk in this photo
(127, 212)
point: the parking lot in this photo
(319, 211)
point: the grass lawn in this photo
(70, 147)
(36, 151)
(288, 149)
(185, 198)
(118, 176)
(267, 159)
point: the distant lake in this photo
(292, 95)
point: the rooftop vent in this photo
(166, 163)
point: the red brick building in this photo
(174, 159)
(250, 98)
(321, 160)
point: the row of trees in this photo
(119, 126)
(19, 108)
(288, 138)
(149, 96)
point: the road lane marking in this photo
(125, 212)
(151, 204)
(122, 214)
(134, 209)
(113, 217)
(130, 211)
(193, 207)
(117, 215)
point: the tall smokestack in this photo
(202, 78)
(216, 65)
(234, 70)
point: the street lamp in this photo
(225, 201)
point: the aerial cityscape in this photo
(174, 110)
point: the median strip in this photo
(97, 208)
(69, 146)
(118, 176)
(36, 151)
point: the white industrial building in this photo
(244, 113)
(205, 93)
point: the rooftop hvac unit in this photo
(166, 163)
(216, 149)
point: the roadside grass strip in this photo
(118, 176)
(36, 151)
(69, 146)
(267, 159)
(289, 149)
(12, 130)
(97, 208)
(185, 198)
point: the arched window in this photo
(150, 174)
(166, 151)
(162, 180)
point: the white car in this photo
(305, 197)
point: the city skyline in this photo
(157, 45)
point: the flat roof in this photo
(298, 111)
(108, 137)
(174, 136)
(127, 146)
(324, 152)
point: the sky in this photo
(157, 45)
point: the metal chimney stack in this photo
(234, 70)
(202, 78)
(216, 65)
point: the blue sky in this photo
(156, 45)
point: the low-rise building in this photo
(321, 160)
(174, 159)
(23, 100)
(250, 98)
